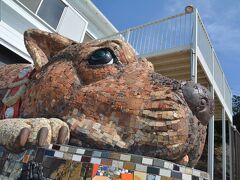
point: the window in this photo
(48, 10)
(87, 37)
(51, 11)
(31, 4)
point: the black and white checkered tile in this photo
(152, 168)
(157, 167)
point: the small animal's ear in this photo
(43, 45)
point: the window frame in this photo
(39, 18)
(62, 14)
(28, 8)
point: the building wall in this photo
(58, 16)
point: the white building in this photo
(78, 20)
(178, 46)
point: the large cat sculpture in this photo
(99, 94)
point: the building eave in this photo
(94, 16)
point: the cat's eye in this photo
(101, 56)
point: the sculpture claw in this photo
(42, 136)
(23, 137)
(62, 135)
(18, 134)
(184, 161)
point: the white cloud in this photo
(225, 37)
(222, 22)
(221, 27)
(219, 20)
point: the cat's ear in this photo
(43, 45)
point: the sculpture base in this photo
(70, 162)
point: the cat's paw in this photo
(19, 134)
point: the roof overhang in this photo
(99, 26)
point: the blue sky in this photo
(221, 19)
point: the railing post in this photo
(224, 172)
(194, 48)
(211, 144)
(230, 149)
(0, 11)
(128, 35)
(223, 144)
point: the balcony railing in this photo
(154, 37)
(205, 46)
(178, 32)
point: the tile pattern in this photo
(68, 161)
(12, 165)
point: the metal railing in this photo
(173, 33)
(205, 46)
(167, 33)
(235, 150)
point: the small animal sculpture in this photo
(106, 97)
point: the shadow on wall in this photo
(9, 57)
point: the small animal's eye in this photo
(101, 56)
(203, 102)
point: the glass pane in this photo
(51, 11)
(31, 4)
(87, 38)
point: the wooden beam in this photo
(175, 62)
